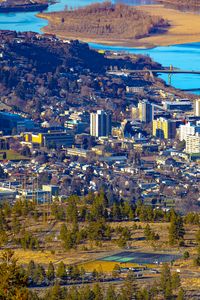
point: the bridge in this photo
(170, 71)
(155, 71)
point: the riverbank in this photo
(184, 29)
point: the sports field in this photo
(141, 257)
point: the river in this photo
(185, 57)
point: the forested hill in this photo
(186, 3)
(38, 70)
(115, 21)
(46, 53)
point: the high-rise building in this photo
(193, 144)
(188, 129)
(197, 108)
(164, 129)
(100, 123)
(146, 111)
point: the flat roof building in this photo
(100, 123)
(13, 122)
(193, 144)
(164, 129)
(146, 111)
(51, 139)
(188, 129)
(197, 108)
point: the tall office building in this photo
(197, 108)
(164, 129)
(146, 111)
(100, 123)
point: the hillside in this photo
(38, 70)
(105, 21)
(185, 3)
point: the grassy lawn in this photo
(104, 266)
(12, 155)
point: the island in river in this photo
(106, 22)
(184, 28)
(22, 6)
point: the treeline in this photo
(14, 281)
(88, 219)
(108, 20)
(93, 207)
(186, 3)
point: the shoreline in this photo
(182, 24)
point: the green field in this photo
(12, 155)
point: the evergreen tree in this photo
(87, 293)
(186, 255)
(16, 226)
(198, 237)
(110, 294)
(166, 281)
(50, 272)
(3, 237)
(58, 211)
(130, 288)
(176, 281)
(176, 229)
(197, 259)
(56, 293)
(13, 280)
(73, 294)
(61, 271)
(31, 269)
(39, 275)
(181, 295)
(72, 211)
(97, 292)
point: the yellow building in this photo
(50, 139)
(34, 138)
(117, 132)
(164, 129)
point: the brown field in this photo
(185, 26)
(89, 254)
(184, 29)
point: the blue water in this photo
(29, 22)
(185, 56)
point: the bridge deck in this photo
(168, 71)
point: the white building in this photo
(188, 129)
(193, 144)
(197, 108)
(146, 111)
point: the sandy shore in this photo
(185, 28)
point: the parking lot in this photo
(141, 257)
